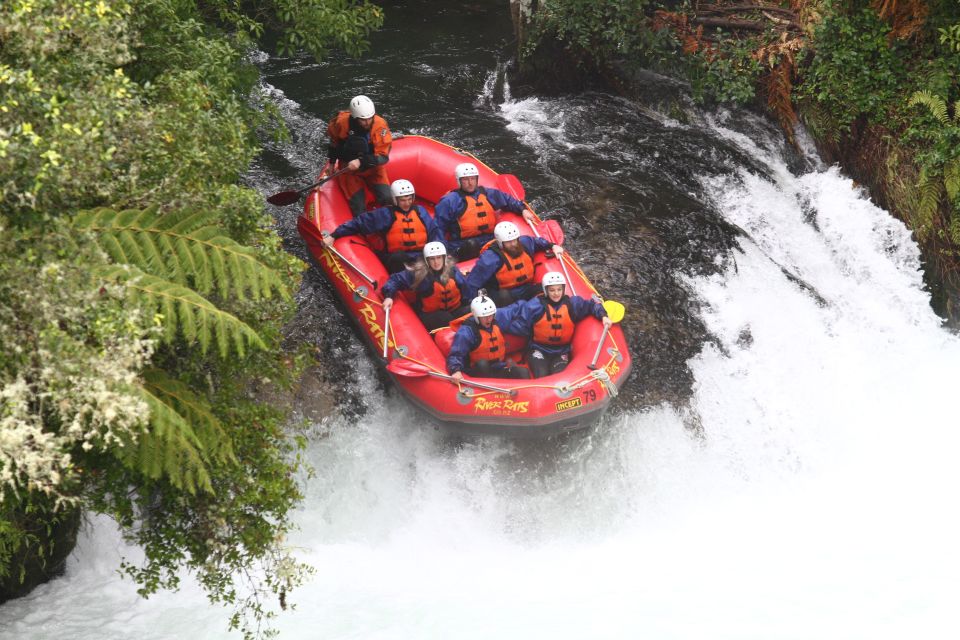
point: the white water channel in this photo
(819, 502)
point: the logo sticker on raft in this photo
(499, 407)
(566, 405)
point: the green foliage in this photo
(939, 159)
(856, 71)
(729, 77)
(185, 247)
(596, 32)
(124, 240)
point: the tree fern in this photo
(182, 311)
(214, 441)
(167, 448)
(184, 247)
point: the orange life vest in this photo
(478, 217)
(443, 297)
(555, 327)
(513, 272)
(491, 346)
(380, 137)
(407, 233)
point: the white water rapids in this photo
(819, 502)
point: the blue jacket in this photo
(485, 269)
(403, 281)
(520, 317)
(467, 339)
(380, 220)
(451, 206)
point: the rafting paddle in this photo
(615, 312)
(407, 369)
(289, 197)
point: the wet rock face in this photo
(45, 556)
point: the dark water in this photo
(622, 177)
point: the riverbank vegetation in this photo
(143, 290)
(876, 83)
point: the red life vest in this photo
(555, 327)
(491, 346)
(478, 216)
(513, 272)
(443, 297)
(407, 233)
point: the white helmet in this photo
(505, 231)
(362, 107)
(402, 188)
(433, 249)
(551, 278)
(482, 307)
(466, 170)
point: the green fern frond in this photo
(183, 248)
(934, 103)
(951, 178)
(167, 448)
(214, 442)
(185, 311)
(929, 195)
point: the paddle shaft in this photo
(479, 385)
(596, 356)
(289, 197)
(372, 282)
(386, 330)
(563, 265)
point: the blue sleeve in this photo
(541, 244)
(446, 211)
(433, 231)
(582, 307)
(400, 281)
(518, 318)
(376, 221)
(461, 281)
(486, 265)
(504, 201)
(463, 343)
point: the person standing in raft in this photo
(406, 227)
(478, 347)
(467, 215)
(439, 286)
(360, 142)
(505, 266)
(549, 321)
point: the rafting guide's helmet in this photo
(402, 188)
(433, 249)
(505, 231)
(551, 278)
(482, 306)
(466, 170)
(362, 107)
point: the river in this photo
(780, 465)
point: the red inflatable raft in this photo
(416, 360)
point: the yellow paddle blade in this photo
(614, 310)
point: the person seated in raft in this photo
(549, 321)
(478, 347)
(467, 215)
(406, 227)
(505, 265)
(439, 286)
(360, 142)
